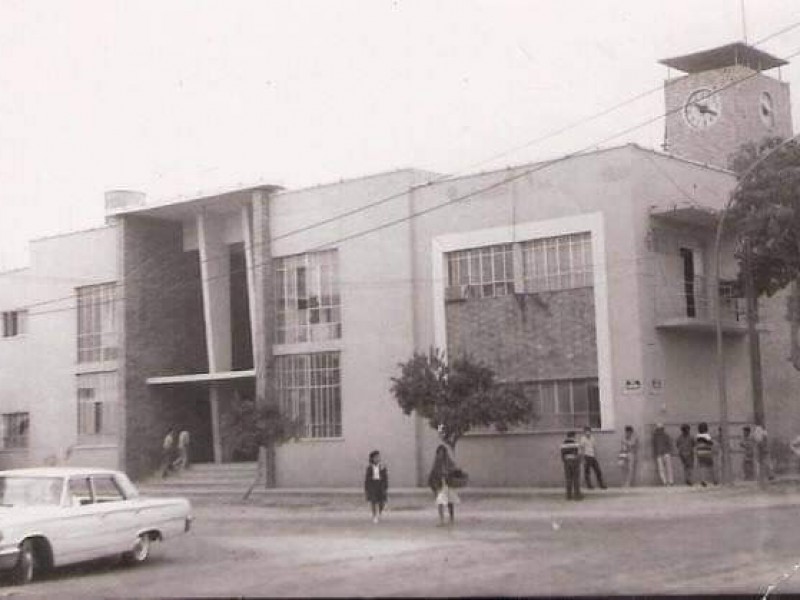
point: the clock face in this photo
(703, 108)
(766, 109)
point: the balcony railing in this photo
(687, 304)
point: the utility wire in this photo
(537, 167)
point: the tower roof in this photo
(737, 53)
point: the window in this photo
(97, 404)
(97, 321)
(307, 297)
(15, 428)
(481, 272)
(309, 390)
(15, 322)
(105, 489)
(558, 263)
(564, 404)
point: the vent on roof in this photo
(118, 201)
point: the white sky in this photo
(173, 97)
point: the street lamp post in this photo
(723, 394)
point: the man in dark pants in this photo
(571, 457)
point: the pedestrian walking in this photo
(748, 446)
(571, 457)
(167, 452)
(376, 485)
(589, 454)
(704, 452)
(440, 481)
(628, 454)
(662, 451)
(763, 457)
(685, 446)
(182, 460)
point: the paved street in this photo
(653, 540)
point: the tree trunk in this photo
(794, 323)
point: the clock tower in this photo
(722, 101)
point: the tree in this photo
(766, 216)
(257, 426)
(458, 395)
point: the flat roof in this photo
(737, 53)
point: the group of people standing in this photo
(697, 453)
(174, 451)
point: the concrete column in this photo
(255, 310)
(213, 397)
(215, 274)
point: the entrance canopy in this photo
(202, 377)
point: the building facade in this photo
(585, 278)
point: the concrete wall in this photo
(375, 273)
(38, 369)
(163, 332)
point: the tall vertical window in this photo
(97, 323)
(97, 407)
(309, 389)
(307, 298)
(481, 272)
(15, 322)
(558, 263)
(14, 434)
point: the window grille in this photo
(307, 298)
(15, 430)
(309, 388)
(485, 272)
(15, 322)
(558, 263)
(97, 407)
(97, 323)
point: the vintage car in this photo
(53, 516)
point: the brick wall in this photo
(164, 334)
(548, 335)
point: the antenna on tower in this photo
(744, 23)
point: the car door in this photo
(116, 515)
(76, 533)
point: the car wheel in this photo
(140, 551)
(23, 571)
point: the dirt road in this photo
(668, 541)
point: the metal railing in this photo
(691, 300)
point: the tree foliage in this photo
(456, 396)
(257, 424)
(766, 212)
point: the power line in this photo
(524, 173)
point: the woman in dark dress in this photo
(376, 485)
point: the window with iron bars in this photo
(558, 263)
(15, 322)
(97, 323)
(15, 430)
(309, 388)
(564, 404)
(97, 407)
(308, 306)
(485, 272)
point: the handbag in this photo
(458, 478)
(622, 458)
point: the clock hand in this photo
(705, 109)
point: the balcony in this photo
(686, 305)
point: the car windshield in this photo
(30, 491)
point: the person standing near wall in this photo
(685, 445)
(182, 462)
(571, 457)
(590, 463)
(440, 481)
(376, 485)
(629, 448)
(662, 451)
(763, 458)
(704, 451)
(748, 446)
(167, 452)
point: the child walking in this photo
(440, 480)
(376, 485)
